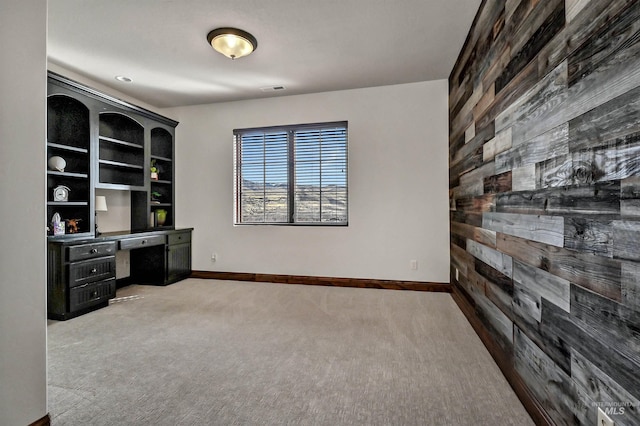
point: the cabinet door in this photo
(178, 262)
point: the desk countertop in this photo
(113, 236)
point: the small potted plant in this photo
(155, 197)
(154, 170)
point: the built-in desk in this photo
(81, 271)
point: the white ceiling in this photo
(307, 46)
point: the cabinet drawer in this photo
(139, 242)
(179, 238)
(89, 294)
(92, 270)
(89, 251)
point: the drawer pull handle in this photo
(94, 270)
(144, 242)
(93, 251)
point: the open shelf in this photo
(120, 143)
(69, 148)
(68, 174)
(69, 137)
(67, 203)
(119, 164)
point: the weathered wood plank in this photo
(630, 197)
(542, 284)
(600, 388)
(476, 144)
(499, 261)
(471, 162)
(523, 178)
(613, 121)
(541, 228)
(602, 199)
(616, 325)
(616, 76)
(579, 336)
(497, 183)
(620, 32)
(626, 240)
(526, 303)
(551, 344)
(518, 86)
(510, 8)
(552, 387)
(472, 183)
(614, 162)
(500, 143)
(496, 319)
(461, 260)
(502, 56)
(631, 285)
(480, 235)
(553, 23)
(495, 277)
(600, 274)
(484, 102)
(468, 218)
(589, 235)
(458, 241)
(470, 133)
(552, 88)
(500, 298)
(551, 144)
(574, 7)
(479, 204)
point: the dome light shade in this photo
(232, 42)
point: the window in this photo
(291, 175)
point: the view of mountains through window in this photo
(296, 174)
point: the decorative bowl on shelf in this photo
(57, 163)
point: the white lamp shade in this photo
(101, 203)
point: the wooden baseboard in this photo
(325, 281)
(503, 360)
(45, 421)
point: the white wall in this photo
(398, 193)
(23, 385)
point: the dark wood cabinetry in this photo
(108, 144)
(81, 271)
(69, 142)
(81, 277)
(178, 256)
(160, 264)
(103, 142)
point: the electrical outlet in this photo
(413, 264)
(214, 257)
(603, 419)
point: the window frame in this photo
(291, 165)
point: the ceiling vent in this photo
(273, 88)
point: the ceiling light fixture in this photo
(232, 42)
(123, 79)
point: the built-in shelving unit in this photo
(69, 137)
(108, 144)
(120, 152)
(161, 194)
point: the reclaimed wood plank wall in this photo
(544, 169)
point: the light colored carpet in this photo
(206, 352)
